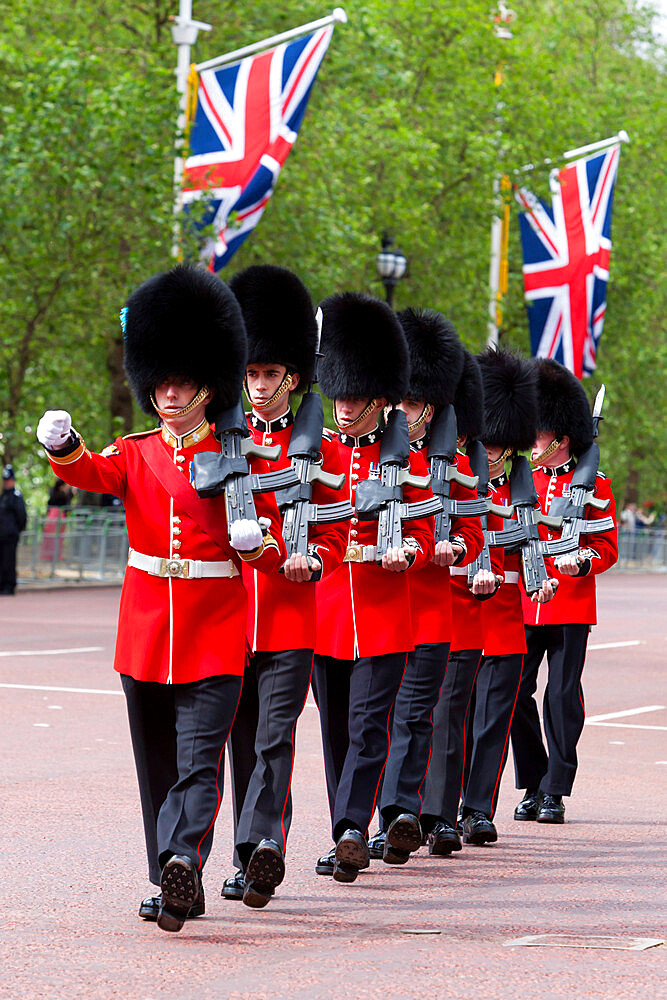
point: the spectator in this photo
(61, 494)
(629, 517)
(13, 520)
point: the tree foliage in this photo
(405, 132)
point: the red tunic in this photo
(467, 621)
(430, 590)
(172, 630)
(281, 614)
(362, 609)
(574, 602)
(502, 617)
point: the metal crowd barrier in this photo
(72, 546)
(643, 548)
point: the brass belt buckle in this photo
(173, 567)
(354, 553)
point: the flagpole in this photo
(499, 226)
(338, 16)
(592, 146)
(184, 33)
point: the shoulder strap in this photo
(208, 514)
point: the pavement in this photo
(74, 867)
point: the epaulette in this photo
(328, 434)
(601, 475)
(139, 434)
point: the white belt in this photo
(187, 569)
(511, 576)
(458, 570)
(361, 553)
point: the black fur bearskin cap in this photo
(510, 400)
(469, 399)
(364, 347)
(436, 355)
(279, 319)
(562, 405)
(185, 322)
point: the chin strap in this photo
(548, 452)
(199, 398)
(426, 415)
(499, 461)
(284, 387)
(355, 423)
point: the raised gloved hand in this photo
(245, 535)
(54, 428)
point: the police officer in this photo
(13, 520)
(180, 648)
(364, 625)
(282, 340)
(560, 629)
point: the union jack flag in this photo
(566, 249)
(246, 121)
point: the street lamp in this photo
(391, 265)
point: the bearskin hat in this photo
(469, 399)
(364, 349)
(184, 322)
(436, 355)
(562, 405)
(510, 400)
(279, 319)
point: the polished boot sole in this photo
(403, 837)
(180, 888)
(265, 871)
(351, 857)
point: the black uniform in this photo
(13, 520)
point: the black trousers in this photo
(261, 747)
(8, 565)
(496, 691)
(178, 734)
(355, 699)
(442, 788)
(412, 730)
(554, 769)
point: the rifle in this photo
(228, 472)
(380, 497)
(524, 533)
(295, 503)
(582, 492)
(479, 463)
(441, 453)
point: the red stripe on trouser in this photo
(502, 756)
(465, 727)
(377, 787)
(282, 817)
(217, 785)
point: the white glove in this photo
(53, 429)
(245, 536)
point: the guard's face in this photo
(542, 441)
(493, 453)
(412, 408)
(347, 410)
(175, 392)
(262, 381)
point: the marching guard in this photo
(364, 625)
(560, 629)
(436, 365)
(282, 341)
(181, 644)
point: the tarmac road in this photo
(74, 869)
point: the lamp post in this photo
(391, 265)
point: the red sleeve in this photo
(604, 545)
(104, 473)
(422, 529)
(273, 554)
(329, 540)
(497, 554)
(467, 528)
